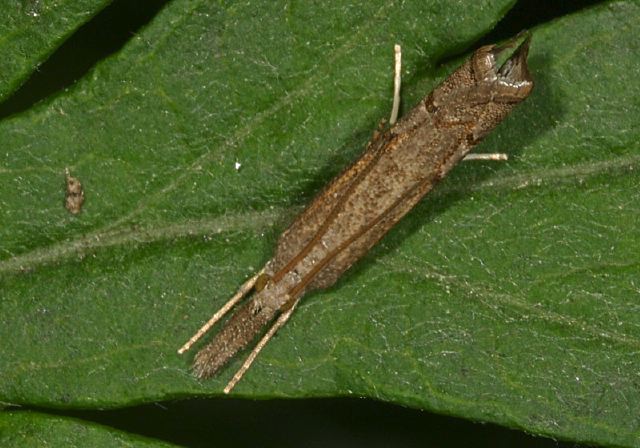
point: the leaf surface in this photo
(33, 429)
(509, 295)
(30, 30)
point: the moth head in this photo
(510, 77)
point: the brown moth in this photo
(398, 167)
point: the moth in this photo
(357, 208)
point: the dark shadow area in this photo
(100, 37)
(527, 14)
(336, 423)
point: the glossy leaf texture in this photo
(509, 295)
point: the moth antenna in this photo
(279, 323)
(244, 289)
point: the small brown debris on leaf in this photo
(74, 194)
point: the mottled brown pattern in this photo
(360, 205)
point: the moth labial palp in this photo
(400, 165)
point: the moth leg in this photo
(244, 289)
(279, 323)
(397, 74)
(500, 156)
(396, 95)
(496, 156)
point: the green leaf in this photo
(509, 295)
(32, 429)
(30, 30)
